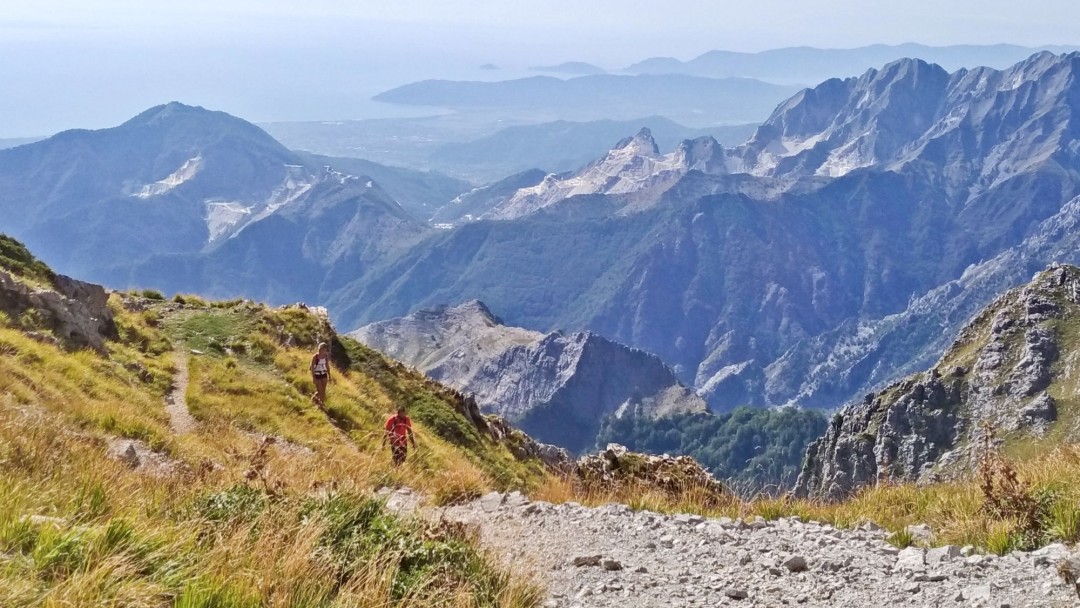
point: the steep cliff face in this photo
(558, 388)
(1012, 371)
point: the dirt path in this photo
(180, 419)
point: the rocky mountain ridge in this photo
(783, 278)
(634, 170)
(907, 113)
(556, 387)
(1011, 371)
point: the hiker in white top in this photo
(320, 374)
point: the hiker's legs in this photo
(399, 452)
(320, 391)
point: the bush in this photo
(17, 259)
(190, 300)
(152, 294)
(238, 503)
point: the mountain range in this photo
(828, 254)
(484, 149)
(774, 275)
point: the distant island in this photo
(489, 66)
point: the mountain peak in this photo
(475, 308)
(169, 111)
(703, 154)
(642, 143)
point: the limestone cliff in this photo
(1013, 370)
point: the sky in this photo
(91, 64)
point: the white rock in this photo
(912, 559)
(942, 554)
(981, 592)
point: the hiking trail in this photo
(180, 419)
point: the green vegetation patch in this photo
(17, 259)
(214, 331)
(754, 449)
(358, 530)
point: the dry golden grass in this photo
(239, 522)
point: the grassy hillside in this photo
(102, 502)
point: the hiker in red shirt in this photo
(399, 433)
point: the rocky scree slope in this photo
(615, 556)
(1013, 369)
(558, 388)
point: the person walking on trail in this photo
(320, 373)
(399, 433)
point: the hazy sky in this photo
(80, 63)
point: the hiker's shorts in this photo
(399, 452)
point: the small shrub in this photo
(118, 536)
(261, 349)
(152, 294)
(1007, 498)
(90, 502)
(18, 535)
(192, 300)
(16, 258)
(1001, 538)
(238, 503)
(33, 319)
(772, 508)
(58, 553)
(151, 317)
(1064, 524)
(901, 539)
(459, 486)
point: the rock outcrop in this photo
(76, 313)
(557, 387)
(618, 468)
(1006, 372)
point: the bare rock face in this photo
(1006, 370)
(77, 313)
